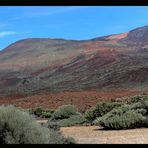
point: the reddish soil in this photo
(83, 100)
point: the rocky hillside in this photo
(103, 63)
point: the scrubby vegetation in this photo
(72, 120)
(134, 114)
(64, 111)
(67, 115)
(135, 99)
(121, 119)
(55, 128)
(57, 137)
(131, 113)
(41, 112)
(53, 125)
(100, 109)
(18, 127)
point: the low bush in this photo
(100, 110)
(139, 98)
(64, 111)
(124, 117)
(53, 125)
(58, 138)
(40, 112)
(17, 127)
(72, 120)
(140, 105)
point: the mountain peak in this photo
(117, 36)
(138, 35)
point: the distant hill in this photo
(104, 63)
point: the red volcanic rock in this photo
(82, 99)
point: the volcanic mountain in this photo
(113, 62)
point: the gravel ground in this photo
(94, 135)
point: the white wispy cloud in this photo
(47, 11)
(7, 33)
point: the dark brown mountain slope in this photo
(105, 63)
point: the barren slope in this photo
(113, 62)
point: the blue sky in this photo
(69, 22)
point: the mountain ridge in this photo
(118, 61)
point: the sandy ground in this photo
(94, 135)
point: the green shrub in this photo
(40, 112)
(100, 110)
(139, 98)
(58, 138)
(140, 105)
(72, 120)
(64, 111)
(122, 118)
(144, 105)
(53, 125)
(46, 114)
(56, 135)
(17, 127)
(37, 111)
